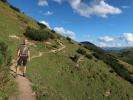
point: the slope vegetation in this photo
(125, 55)
(72, 73)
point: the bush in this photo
(69, 39)
(96, 55)
(53, 31)
(55, 46)
(89, 56)
(15, 8)
(81, 51)
(5, 54)
(38, 35)
(42, 26)
(75, 58)
(5, 1)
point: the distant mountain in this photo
(88, 43)
(93, 46)
(115, 48)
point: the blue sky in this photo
(103, 22)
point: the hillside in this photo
(125, 55)
(60, 68)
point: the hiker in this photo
(23, 56)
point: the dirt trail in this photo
(23, 87)
(51, 51)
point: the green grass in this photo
(58, 78)
(55, 76)
(7, 85)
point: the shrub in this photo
(53, 31)
(5, 1)
(80, 44)
(75, 58)
(5, 54)
(15, 8)
(55, 46)
(42, 26)
(89, 56)
(96, 55)
(38, 35)
(81, 51)
(69, 39)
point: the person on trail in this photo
(23, 56)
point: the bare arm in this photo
(18, 54)
(28, 55)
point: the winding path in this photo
(51, 51)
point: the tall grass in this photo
(6, 84)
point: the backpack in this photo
(23, 50)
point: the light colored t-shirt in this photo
(23, 49)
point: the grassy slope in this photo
(125, 55)
(54, 76)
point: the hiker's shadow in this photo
(14, 73)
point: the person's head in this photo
(25, 41)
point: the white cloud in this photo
(128, 37)
(96, 7)
(45, 23)
(100, 8)
(42, 2)
(58, 1)
(113, 44)
(102, 44)
(106, 39)
(48, 13)
(124, 40)
(62, 31)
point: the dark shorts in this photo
(22, 60)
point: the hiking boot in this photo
(24, 75)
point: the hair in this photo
(25, 40)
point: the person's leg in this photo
(24, 65)
(17, 69)
(18, 65)
(24, 70)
